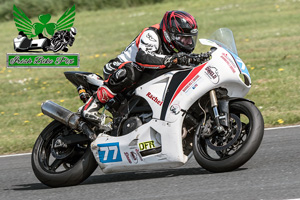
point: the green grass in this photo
(267, 38)
(34, 8)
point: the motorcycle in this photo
(168, 117)
(22, 43)
(61, 40)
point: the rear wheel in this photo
(233, 147)
(56, 164)
(58, 46)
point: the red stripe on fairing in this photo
(192, 74)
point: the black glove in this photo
(180, 58)
(200, 58)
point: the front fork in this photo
(222, 120)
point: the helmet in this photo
(73, 31)
(179, 31)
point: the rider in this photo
(159, 46)
(61, 40)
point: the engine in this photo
(131, 124)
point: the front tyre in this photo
(230, 149)
(61, 165)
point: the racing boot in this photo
(90, 110)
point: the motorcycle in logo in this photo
(62, 32)
(218, 126)
(54, 37)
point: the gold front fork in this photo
(214, 105)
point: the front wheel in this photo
(233, 147)
(56, 164)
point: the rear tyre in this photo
(61, 166)
(58, 46)
(231, 149)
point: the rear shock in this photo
(84, 96)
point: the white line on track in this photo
(283, 127)
(266, 129)
(12, 155)
(292, 199)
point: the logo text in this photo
(154, 98)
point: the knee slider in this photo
(134, 71)
(118, 75)
(124, 77)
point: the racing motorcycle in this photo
(23, 44)
(168, 117)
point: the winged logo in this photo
(23, 23)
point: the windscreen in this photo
(224, 37)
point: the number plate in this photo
(109, 152)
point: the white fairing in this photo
(94, 79)
(116, 154)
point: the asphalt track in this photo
(273, 173)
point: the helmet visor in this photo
(186, 40)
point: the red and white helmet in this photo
(179, 31)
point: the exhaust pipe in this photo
(60, 114)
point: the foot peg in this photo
(86, 130)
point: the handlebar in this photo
(200, 58)
(196, 59)
(188, 60)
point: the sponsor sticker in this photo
(43, 36)
(133, 156)
(213, 74)
(109, 152)
(229, 62)
(127, 156)
(146, 145)
(150, 38)
(191, 84)
(194, 31)
(154, 98)
(175, 109)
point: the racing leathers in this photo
(146, 51)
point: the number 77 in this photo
(106, 151)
